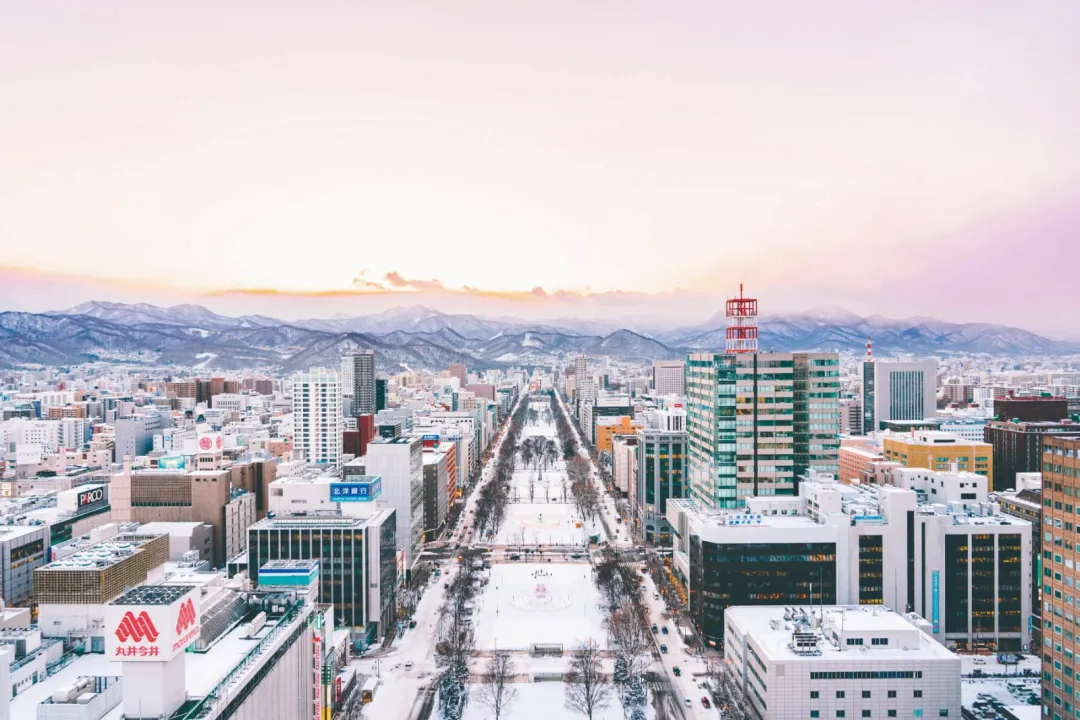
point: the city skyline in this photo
(883, 159)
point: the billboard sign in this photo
(90, 496)
(172, 462)
(365, 490)
(151, 633)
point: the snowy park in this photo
(533, 603)
(543, 701)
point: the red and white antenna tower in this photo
(869, 351)
(742, 327)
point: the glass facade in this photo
(340, 552)
(871, 570)
(723, 575)
(956, 584)
(757, 422)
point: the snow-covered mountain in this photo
(419, 337)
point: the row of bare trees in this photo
(565, 433)
(454, 638)
(494, 496)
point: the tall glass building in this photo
(757, 422)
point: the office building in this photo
(932, 544)
(380, 394)
(400, 461)
(839, 662)
(940, 451)
(317, 418)
(363, 382)
(897, 390)
(669, 377)
(436, 498)
(856, 461)
(661, 476)
(1025, 502)
(1018, 444)
(1061, 573)
(757, 422)
(851, 416)
(357, 558)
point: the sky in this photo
(538, 158)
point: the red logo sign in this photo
(219, 442)
(205, 443)
(136, 628)
(186, 618)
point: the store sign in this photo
(210, 442)
(91, 496)
(365, 491)
(151, 633)
(935, 601)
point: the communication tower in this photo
(742, 324)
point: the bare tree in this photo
(588, 690)
(630, 640)
(496, 689)
(726, 691)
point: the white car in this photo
(408, 665)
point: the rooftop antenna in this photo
(741, 334)
(869, 350)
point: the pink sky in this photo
(888, 157)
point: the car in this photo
(412, 624)
(515, 556)
(979, 661)
(687, 701)
(656, 596)
(664, 630)
(705, 702)
(663, 649)
(408, 665)
(676, 670)
(655, 629)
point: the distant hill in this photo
(419, 337)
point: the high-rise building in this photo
(1061, 572)
(363, 382)
(400, 462)
(380, 394)
(661, 476)
(895, 390)
(357, 562)
(756, 422)
(669, 377)
(1018, 446)
(851, 416)
(317, 419)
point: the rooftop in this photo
(153, 595)
(97, 556)
(799, 633)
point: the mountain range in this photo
(423, 338)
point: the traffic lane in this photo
(678, 655)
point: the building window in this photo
(866, 713)
(841, 713)
(813, 694)
(918, 693)
(866, 693)
(839, 694)
(815, 713)
(892, 693)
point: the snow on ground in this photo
(544, 524)
(539, 603)
(540, 701)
